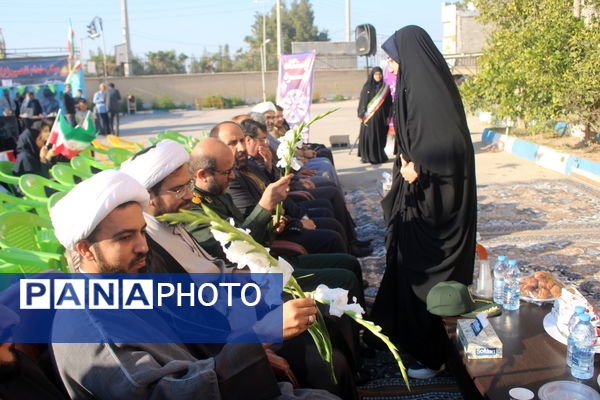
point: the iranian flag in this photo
(70, 44)
(68, 140)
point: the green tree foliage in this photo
(540, 63)
(112, 68)
(297, 25)
(165, 62)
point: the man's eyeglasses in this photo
(224, 172)
(181, 190)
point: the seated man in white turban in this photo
(101, 219)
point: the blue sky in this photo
(191, 26)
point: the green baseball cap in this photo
(453, 298)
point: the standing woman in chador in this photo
(431, 209)
(374, 110)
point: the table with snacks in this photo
(533, 353)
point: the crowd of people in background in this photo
(28, 121)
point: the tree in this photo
(165, 62)
(540, 63)
(112, 68)
(297, 25)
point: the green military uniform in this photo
(331, 269)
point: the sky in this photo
(190, 26)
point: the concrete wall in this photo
(247, 85)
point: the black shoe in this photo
(362, 376)
(366, 351)
(358, 251)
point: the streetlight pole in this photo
(92, 34)
(279, 44)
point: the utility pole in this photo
(347, 20)
(263, 55)
(279, 44)
(125, 32)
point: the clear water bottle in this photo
(572, 322)
(498, 271)
(582, 350)
(512, 293)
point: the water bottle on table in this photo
(512, 292)
(498, 272)
(582, 348)
(572, 322)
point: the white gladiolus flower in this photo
(337, 299)
(222, 237)
(237, 252)
(285, 268)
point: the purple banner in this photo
(294, 91)
(33, 71)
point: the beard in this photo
(161, 208)
(108, 268)
(241, 160)
(10, 369)
(213, 187)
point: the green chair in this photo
(23, 261)
(54, 199)
(27, 231)
(6, 175)
(88, 166)
(14, 203)
(119, 155)
(63, 173)
(39, 188)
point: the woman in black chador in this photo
(431, 209)
(373, 111)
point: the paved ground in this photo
(491, 167)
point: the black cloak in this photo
(431, 224)
(373, 134)
(28, 155)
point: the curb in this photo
(546, 157)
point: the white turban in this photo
(79, 212)
(264, 107)
(156, 164)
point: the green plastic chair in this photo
(63, 173)
(119, 155)
(39, 188)
(14, 203)
(54, 199)
(88, 166)
(22, 261)
(6, 175)
(27, 231)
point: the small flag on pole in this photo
(70, 44)
(68, 140)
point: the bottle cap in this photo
(579, 309)
(501, 258)
(520, 393)
(512, 263)
(585, 317)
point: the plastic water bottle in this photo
(582, 350)
(499, 271)
(512, 293)
(572, 322)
